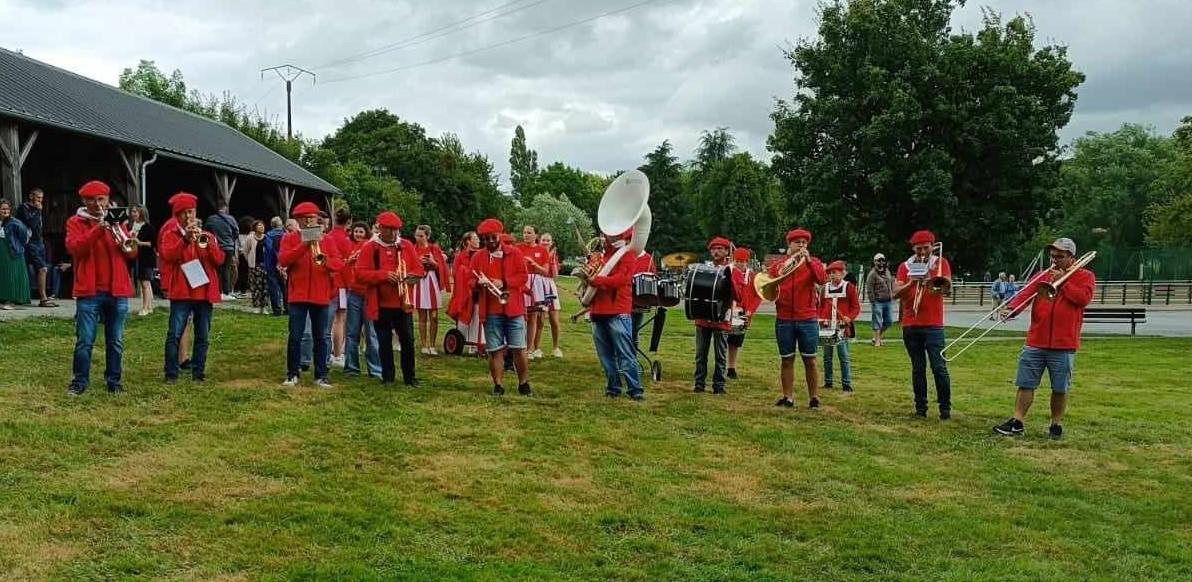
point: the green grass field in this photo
(242, 479)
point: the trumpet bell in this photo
(128, 245)
(1047, 291)
(940, 285)
(766, 286)
(203, 241)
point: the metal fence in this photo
(1108, 293)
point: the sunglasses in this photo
(489, 237)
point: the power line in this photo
(492, 46)
(442, 31)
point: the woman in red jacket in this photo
(840, 306)
(1053, 338)
(463, 307)
(191, 285)
(428, 294)
(309, 282)
(612, 327)
(356, 322)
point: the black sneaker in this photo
(945, 413)
(199, 379)
(75, 391)
(185, 365)
(699, 389)
(414, 384)
(846, 388)
(524, 389)
(1056, 431)
(719, 390)
(612, 394)
(1012, 427)
(814, 404)
(921, 412)
(784, 401)
(637, 397)
(732, 373)
(116, 389)
(498, 390)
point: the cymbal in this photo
(679, 260)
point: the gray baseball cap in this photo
(1063, 244)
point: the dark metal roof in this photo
(43, 94)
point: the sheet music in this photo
(196, 275)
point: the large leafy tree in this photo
(674, 228)
(523, 165)
(739, 203)
(558, 179)
(559, 217)
(898, 124)
(1169, 219)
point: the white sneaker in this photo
(143, 312)
(537, 355)
(426, 351)
(227, 297)
(433, 351)
(322, 383)
(558, 353)
(291, 381)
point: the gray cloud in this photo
(598, 96)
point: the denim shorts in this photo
(502, 332)
(881, 315)
(1058, 363)
(35, 255)
(801, 337)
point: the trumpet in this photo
(403, 277)
(937, 284)
(203, 240)
(501, 294)
(126, 243)
(767, 286)
(320, 258)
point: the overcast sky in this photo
(598, 95)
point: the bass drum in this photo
(709, 292)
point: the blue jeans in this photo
(881, 315)
(717, 340)
(925, 344)
(846, 364)
(613, 336)
(299, 314)
(89, 312)
(277, 300)
(308, 340)
(180, 311)
(354, 323)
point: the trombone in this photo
(938, 284)
(1001, 314)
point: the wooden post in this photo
(225, 185)
(132, 175)
(285, 195)
(13, 153)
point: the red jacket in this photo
(848, 306)
(511, 268)
(614, 292)
(931, 307)
(460, 306)
(308, 282)
(797, 297)
(343, 243)
(644, 263)
(748, 299)
(348, 274)
(99, 265)
(174, 251)
(737, 277)
(1055, 324)
(440, 263)
(376, 261)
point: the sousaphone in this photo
(624, 205)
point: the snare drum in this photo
(670, 292)
(709, 292)
(830, 337)
(645, 290)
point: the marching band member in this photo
(428, 294)
(644, 263)
(357, 320)
(499, 273)
(1053, 338)
(923, 328)
(102, 286)
(745, 307)
(797, 306)
(186, 250)
(388, 264)
(536, 257)
(714, 333)
(463, 307)
(842, 305)
(546, 295)
(611, 323)
(310, 267)
(507, 239)
(343, 240)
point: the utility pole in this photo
(288, 73)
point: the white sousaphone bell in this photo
(624, 205)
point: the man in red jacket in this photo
(747, 303)
(714, 334)
(190, 272)
(611, 322)
(102, 286)
(840, 306)
(500, 268)
(387, 264)
(309, 281)
(923, 329)
(1053, 338)
(797, 307)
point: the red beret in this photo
(183, 201)
(94, 188)
(305, 209)
(798, 233)
(922, 237)
(388, 220)
(490, 226)
(837, 266)
(742, 254)
(719, 242)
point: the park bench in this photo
(1130, 315)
